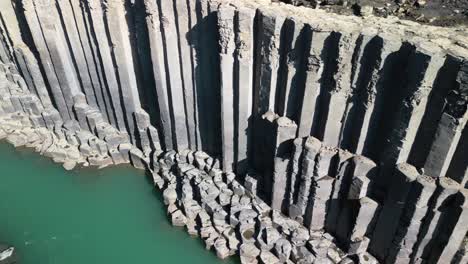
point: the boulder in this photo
(249, 253)
(283, 249)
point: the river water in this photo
(109, 216)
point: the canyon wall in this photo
(354, 127)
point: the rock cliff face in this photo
(278, 133)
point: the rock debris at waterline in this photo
(314, 137)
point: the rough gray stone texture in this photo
(227, 47)
(268, 59)
(59, 51)
(184, 25)
(450, 127)
(103, 45)
(424, 63)
(45, 59)
(71, 30)
(122, 55)
(376, 60)
(268, 90)
(446, 190)
(337, 89)
(170, 44)
(315, 64)
(387, 223)
(411, 219)
(159, 71)
(285, 130)
(317, 208)
(311, 149)
(451, 237)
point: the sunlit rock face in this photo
(278, 133)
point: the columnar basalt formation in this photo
(278, 133)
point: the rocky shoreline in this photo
(231, 219)
(355, 127)
(225, 210)
(24, 122)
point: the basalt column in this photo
(422, 68)
(122, 55)
(337, 88)
(59, 51)
(27, 62)
(159, 71)
(450, 127)
(276, 132)
(227, 46)
(99, 32)
(45, 58)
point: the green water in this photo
(83, 217)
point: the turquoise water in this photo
(87, 216)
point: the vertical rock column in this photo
(321, 184)
(159, 71)
(25, 59)
(338, 91)
(454, 231)
(13, 47)
(244, 85)
(316, 212)
(92, 63)
(99, 59)
(371, 91)
(422, 70)
(411, 220)
(264, 151)
(353, 187)
(227, 46)
(450, 127)
(295, 174)
(285, 130)
(26, 76)
(366, 213)
(387, 223)
(183, 26)
(315, 64)
(458, 169)
(59, 50)
(213, 94)
(194, 40)
(175, 85)
(122, 53)
(97, 25)
(269, 32)
(41, 46)
(311, 148)
(38, 83)
(291, 82)
(431, 224)
(5, 54)
(365, 60)
(343, 165)
(65, 12)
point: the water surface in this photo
(110, 216)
